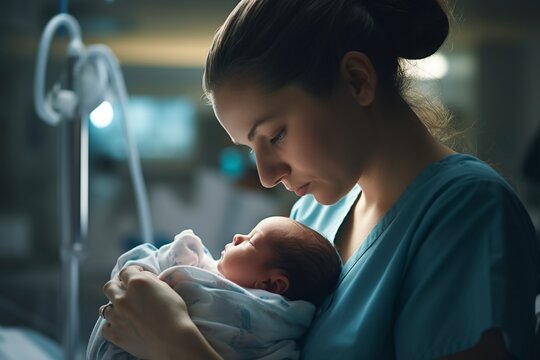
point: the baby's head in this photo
(285, 257)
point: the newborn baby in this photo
(255, 301)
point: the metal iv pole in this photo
(68, 106)
(73, 184)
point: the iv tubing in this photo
(75, 47)
(103, 52)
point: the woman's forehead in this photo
(253, 99)
(235, 107)
(245, 105)
(241, 110)
(231, 92)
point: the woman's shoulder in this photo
(465, 189)
(460, 181)
(457, 174)
(462, 174)
(461, 168)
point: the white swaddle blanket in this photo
(239, 323)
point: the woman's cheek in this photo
(304, 154)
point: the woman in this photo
(440, 257)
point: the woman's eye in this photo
(278, 137)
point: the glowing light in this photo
(433, 67)
(102, 116)
(232, 163)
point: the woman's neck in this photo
(404, 148)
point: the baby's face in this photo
(244, 260)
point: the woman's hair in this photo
(279, 42)
(275, 43)
(310, 262)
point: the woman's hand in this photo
(147, 319)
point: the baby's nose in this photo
(237, 239)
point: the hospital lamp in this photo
(91, 72)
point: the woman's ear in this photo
(360, 77)
(275, 282)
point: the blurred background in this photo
(487, 74)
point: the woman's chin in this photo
(325, 199)
(328, 198)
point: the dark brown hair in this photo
(311, 264)
(280, 42)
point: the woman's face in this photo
(310, 145)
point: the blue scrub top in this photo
(456, 255)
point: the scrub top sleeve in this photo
(472, 267)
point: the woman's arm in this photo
(150, 320)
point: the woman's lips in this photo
(302, 190)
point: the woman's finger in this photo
(114, 327)
(128, 272)
(113, 290)
(103, 308)
(131, 325)
(110, 333)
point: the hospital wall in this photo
(492, 87)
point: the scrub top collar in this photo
(390, 215)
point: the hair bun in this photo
(417, 28)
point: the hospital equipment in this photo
(91, 72)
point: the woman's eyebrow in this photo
(253, 130)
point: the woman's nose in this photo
(271, 170)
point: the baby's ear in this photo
(276, 282)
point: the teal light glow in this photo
(232, 162)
